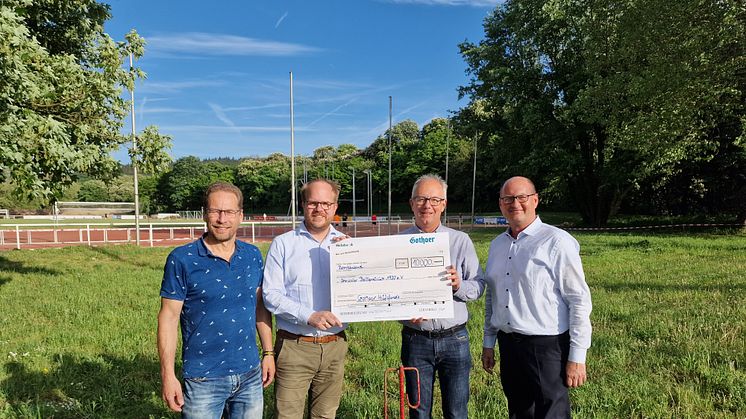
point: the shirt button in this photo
(510, 257)
(507, 273)
(506, 306)
(507, 290)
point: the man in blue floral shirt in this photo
(212, 287)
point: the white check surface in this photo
(397, 277)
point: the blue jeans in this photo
(234, 396)
(449, 357)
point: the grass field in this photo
(77, 333)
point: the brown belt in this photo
(284, 334)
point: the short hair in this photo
(431, 177)
(525, 179)
(221, 186)
(335, 188)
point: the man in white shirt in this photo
(311, 344)
(537, 310)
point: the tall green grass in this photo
(77, 333)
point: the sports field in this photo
(77, 332)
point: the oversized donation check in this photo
(391, 278)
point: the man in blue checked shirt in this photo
(441, 346)
(537, 310)
(213, 288)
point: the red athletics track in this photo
(161, 235)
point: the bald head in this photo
(518, 202)
(519, 181)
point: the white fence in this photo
(35, 235)
(38, 235)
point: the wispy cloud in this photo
(200, 43)
(178, 86)
(331, 84)
(141, 111)
(332, 112)
(281, 19)
(218, 111)
(165, 110)
(381, 128)
(207, 129)
(257, 107)
(470, 3)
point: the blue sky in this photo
(218, 72)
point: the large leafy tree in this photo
(405, 137)
(265, 182)
(61, 81)
(183, 187)
(152, 153)
(598, 98)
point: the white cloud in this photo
(165, 110)
(177, 86)
(200, 43)
(207, 129)
(218, 111)
(332, 112)
(281, 19)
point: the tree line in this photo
(610, 107)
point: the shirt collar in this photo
(531, 230)
(202, 249)
(302, 230)
(439, 229)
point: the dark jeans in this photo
(532, 372)
(449, 357)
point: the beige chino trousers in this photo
(306, 365)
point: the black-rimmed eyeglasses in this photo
(508, 199)
(434, 200)
(316, 204)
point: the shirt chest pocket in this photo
(298, 282)
(539, 276)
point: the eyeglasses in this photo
(508, 199)
(434, 200)
(316, 204)
(213, 212)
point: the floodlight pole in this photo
(292, 153)
(448, 139)
(390, 151)
(369, 196)
(474, 180)
(354, 202)
(134, 155)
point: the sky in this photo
(218, 73)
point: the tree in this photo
(265, 182)
(152, 151)
(93, 190)
(597, 98)
(405, 136)
(183, 187)
(60, 97)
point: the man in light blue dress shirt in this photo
(537, 310)
(441, 346)
(310, 343)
